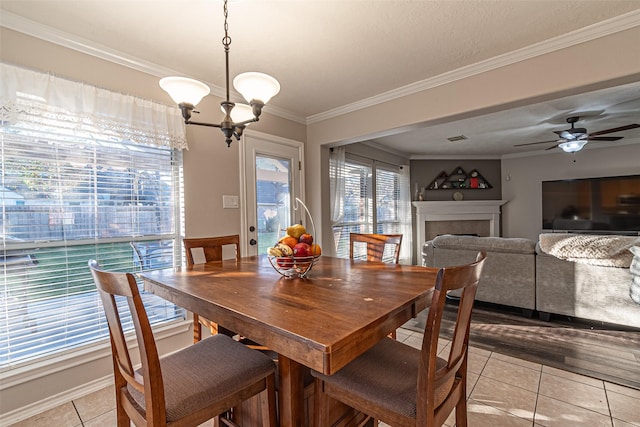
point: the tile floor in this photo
(503, 392)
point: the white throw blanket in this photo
(634, 290)
(608, 251)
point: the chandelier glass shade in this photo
(184, 90)
(240, 112)
(256, 88)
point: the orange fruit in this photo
(289, 241)
(316, 250)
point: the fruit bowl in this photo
(295, 253)
(292, 268)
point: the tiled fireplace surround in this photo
(479, 217)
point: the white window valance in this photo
(36, 98)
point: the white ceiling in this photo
(333, 54)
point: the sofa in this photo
(582, 276)
(586, 276)
(509, 274)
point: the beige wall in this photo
(211, 167)
(522, 215)
(607, 61)
(210, 170)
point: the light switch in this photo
(229, 202)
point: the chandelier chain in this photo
(226, 40)
(188, 92)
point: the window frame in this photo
(30, 129)
(339, 228)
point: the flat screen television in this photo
(606, 205)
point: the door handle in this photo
(252, 229)
(253, 242)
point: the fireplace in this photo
(481, 217)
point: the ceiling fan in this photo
(574, 139)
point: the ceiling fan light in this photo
(240, 112)
(256, 86)
(567, 135)
(184, 90)
(573, 146)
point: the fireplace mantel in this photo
(469, 210)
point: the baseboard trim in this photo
(51, 402)
(31, 375)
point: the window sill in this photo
(29, 371)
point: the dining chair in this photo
(212, 248)
(139, 257)
(404, 386)
(175, 390)
(375, 245)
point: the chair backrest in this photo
(111, 285)
(212, 247)
(450, 377)
(375, 244)
(139, 257)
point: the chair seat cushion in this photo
(385, 375)
(191, 384)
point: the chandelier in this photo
(256, 88)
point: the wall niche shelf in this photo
(458, 179)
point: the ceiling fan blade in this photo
(605, 138)
(618, 129)
(533, 143)
(552, 147)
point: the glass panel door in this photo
(273, 180)
(273, 204)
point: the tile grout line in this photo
(606, 396)
(538, 394)
(535, 407)
(77, 413)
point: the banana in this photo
(274, 251)
(285, 249)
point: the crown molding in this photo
(597, 30)
(34, 29)
(390, 150)
(455, 157)
(591, 32)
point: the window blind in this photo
(375, 201)
(75, 188)
(357, 208)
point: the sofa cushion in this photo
(585, 291)
(508, 277)
(490, 244)
(606, 251)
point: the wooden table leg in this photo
(291, 393)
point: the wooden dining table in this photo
(323, 321)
